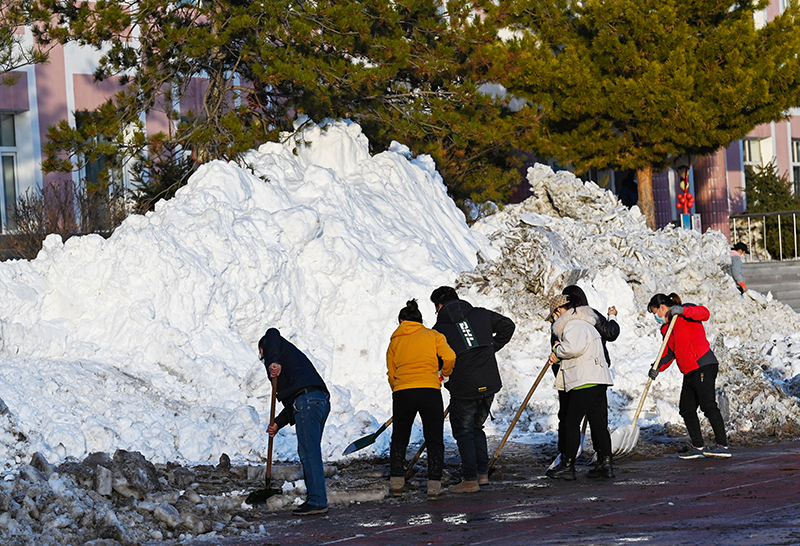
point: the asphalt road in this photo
(752, 498)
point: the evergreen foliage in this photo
(768, 191)
(630, 84)
(14, 54)
(159, 175)
(407, 70)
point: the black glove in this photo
(674, 310)
(652, 373)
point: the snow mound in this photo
(572, 231)
(147, 341)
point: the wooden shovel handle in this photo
(654, 366)
(271, 422)
(517, 416)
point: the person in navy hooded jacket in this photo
(306, 403)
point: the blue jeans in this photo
(466, 420)
(310, 413)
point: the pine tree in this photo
(14, 54)
(407, 71)
(630, 84)
(768, 191)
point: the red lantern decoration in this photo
(686, 199)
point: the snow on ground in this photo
(147, 341)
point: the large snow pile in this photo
(147, 341)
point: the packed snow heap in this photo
(147, 341)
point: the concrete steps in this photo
(780, 278)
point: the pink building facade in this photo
(44, 95)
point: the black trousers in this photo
(699, 390)
(576, 404)
(405, 406)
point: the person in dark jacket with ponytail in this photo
(689, 347)
(475, 334)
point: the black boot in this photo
(564, 471)
(603, 468)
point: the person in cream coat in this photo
(585, 376)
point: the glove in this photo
(652, 373)
(674, 310)
(742, 288)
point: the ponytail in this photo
(660, 299)
(410, 312)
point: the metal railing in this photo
(768, 234)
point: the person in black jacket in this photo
(475, 334)
(306, 403)
(609, 332)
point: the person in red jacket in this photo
(689, 347)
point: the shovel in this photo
(260, 496)
(369, 439)
(625, 438)
(516, 417)
(410, 470)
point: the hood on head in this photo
(454, 311)
(584, 313)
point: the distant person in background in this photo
(609, 332)
(737, 270)
(306, 403)
(412, 361)
(689, 347)
(475, 334)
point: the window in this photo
(8, 176)
(752, 151)
(93, 168)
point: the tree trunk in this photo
(644, 176)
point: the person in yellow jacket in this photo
(413, 360)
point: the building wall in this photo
(47, 94)
(711, 192)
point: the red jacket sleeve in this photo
(696, 312)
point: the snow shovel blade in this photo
(260, 496)
(557, 460)
(361, 443)
(580, 446)
(624, 439)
